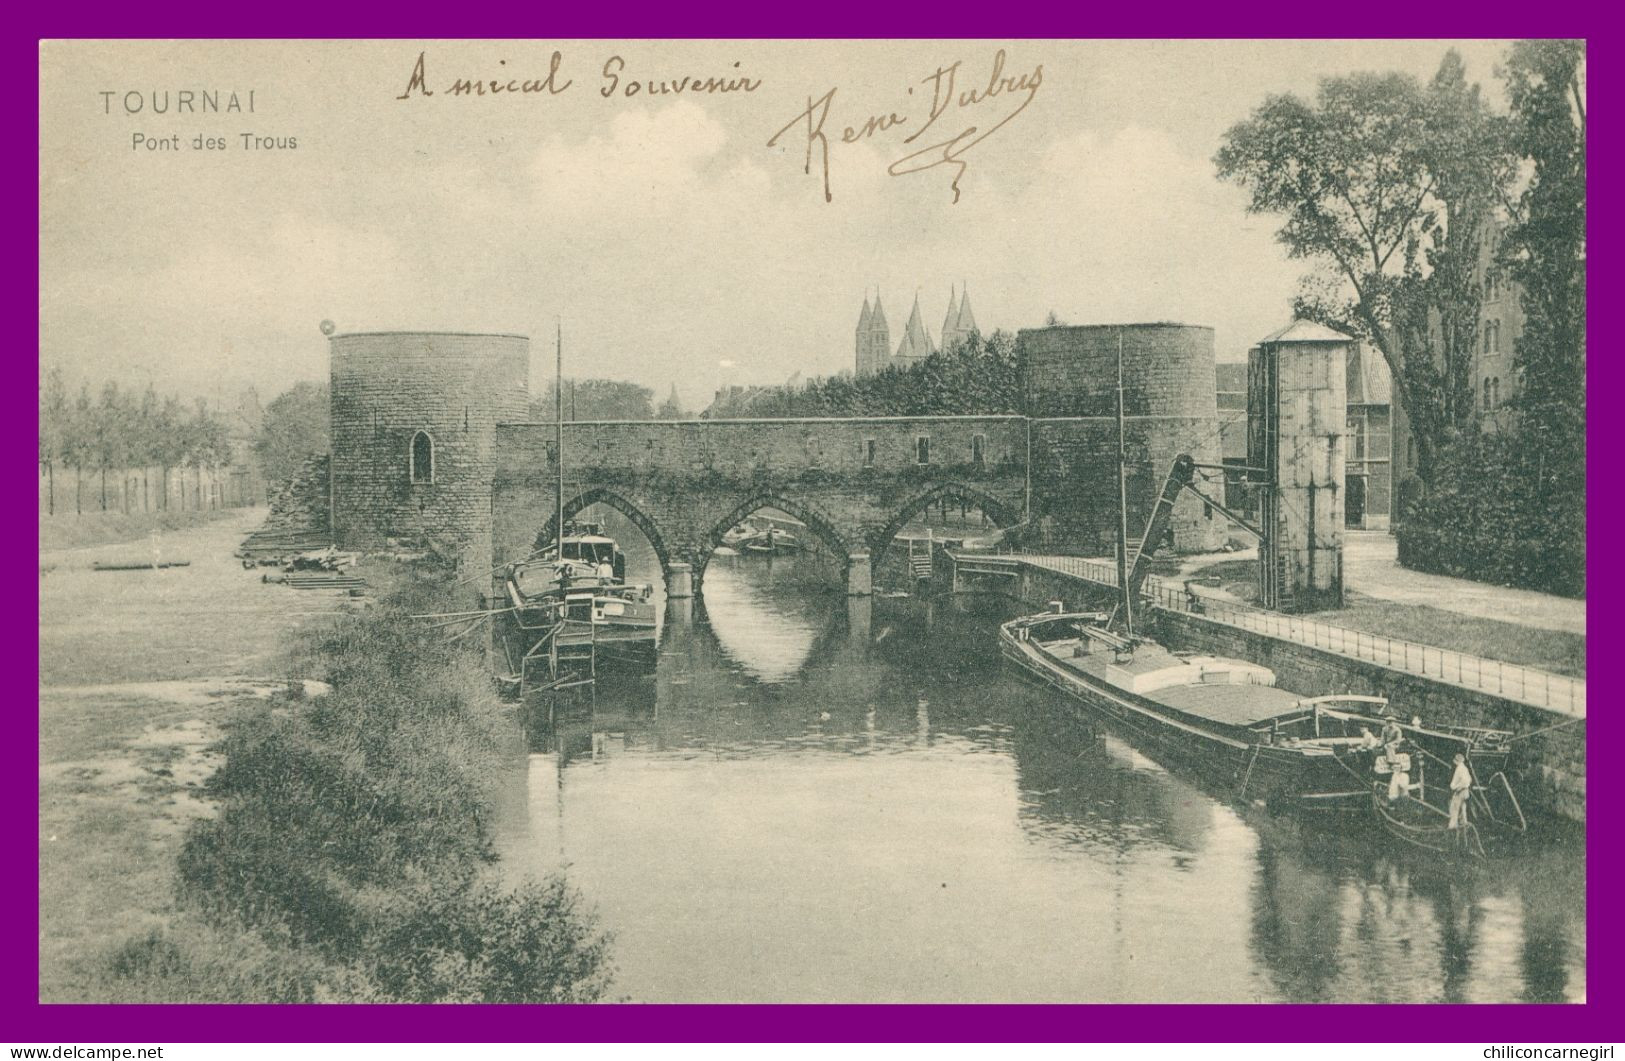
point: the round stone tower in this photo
(414, 418)
(1170, 406)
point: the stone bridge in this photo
(855, 483)
(430, 445)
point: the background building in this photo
(873, 341)
(1369, 475)
(1493, 376)
(1369, 461)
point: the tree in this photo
(146, 444)
(294, 428)
(1386, 185)
(109, 432)
(1546, 255)
(598, 399)
(172, 442)
(1545, 247)
(78, 447)
(54, 429)
(976, 378)
(208, 445)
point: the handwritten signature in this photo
(944, 101)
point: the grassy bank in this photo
(351, 858)
(69, 531)
(1547, 650)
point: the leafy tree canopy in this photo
(1385, 185)
(294, 428)
(597, 399)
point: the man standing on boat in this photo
(1461, 785)
(1399, 781)
(1391, 733)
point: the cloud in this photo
(669, 237)
(649, 162)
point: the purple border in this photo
(26, 1020)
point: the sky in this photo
(671, 242)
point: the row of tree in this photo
(978, 377)
(1390, 187)
(117, 428)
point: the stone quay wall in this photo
(1548, 770)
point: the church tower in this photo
(862, 345)
(959, 324)
(873, 338)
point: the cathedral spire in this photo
(951, 321)
(967, 320)
(916, 342)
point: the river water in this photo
(813, 799)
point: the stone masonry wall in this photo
(1170, 405)
(686, 482)
(1548, 771)
(388, 386)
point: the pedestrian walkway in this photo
(1523, 684)
(1371, 566)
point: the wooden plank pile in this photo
(318, 580)
(297, 522)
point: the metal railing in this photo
(1524, 684)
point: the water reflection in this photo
(820, 799)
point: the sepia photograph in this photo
(812, 521)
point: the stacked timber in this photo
(318, 580)
(298, 520)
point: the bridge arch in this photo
(815, 521)
(627, 508)
(1000, 513)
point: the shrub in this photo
(1499, 509)
(355, 827)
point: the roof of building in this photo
(877, 319)
(1369, 382)
(1302, 331)
(951, 320)
(863, 318)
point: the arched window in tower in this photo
(421, 458)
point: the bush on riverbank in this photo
(1501, 509)
(353, 849)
